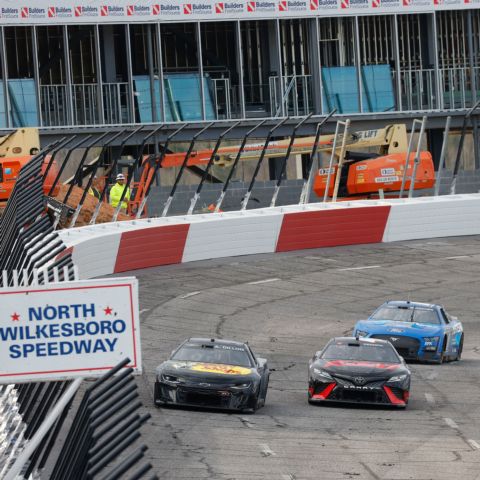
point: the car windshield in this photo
(224, 354)
(406, 314)
(367, 352)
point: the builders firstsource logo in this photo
(327, 4)
(253, 6)
(355, 4)
(32, 12)
(60, 12)
(8, 12)
(228, 7)
(385, 3)
(197, 9)
(112, 11)
(166, 9)
(293, 5)
(138, 10)
(86, 11)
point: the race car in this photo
(358, 370)
(418, 331)
(220, 374)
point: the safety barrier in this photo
(33, 414)
(123, 246)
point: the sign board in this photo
(54, 12)
(66, 330)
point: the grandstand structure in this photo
(95, 64)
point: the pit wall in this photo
(131, 245)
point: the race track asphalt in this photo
(287, 306)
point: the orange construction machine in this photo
(364, 174)
(373, 160)
(16, 150)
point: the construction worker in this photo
(93, 190)
(116, 193)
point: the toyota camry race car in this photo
(418, 331)
(213, 373)
(358, 370)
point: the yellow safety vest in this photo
(116, 193)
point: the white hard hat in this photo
(120, 176)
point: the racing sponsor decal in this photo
(354, 363)
(197, 9)
(138, 10)
(60, 12)
(220, 368)
(228, 7)
(9, 12)
(86, 11)
(390, 179)
(33, 12)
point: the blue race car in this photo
(418, 331)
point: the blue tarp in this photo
(23, 102)
(182, 98)
(341, 89)
(141, 84)
(378, 88)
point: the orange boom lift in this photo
(375, 160)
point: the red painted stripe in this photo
(151, 247)
(328, 228)
(323, 395)
(64, 253)
(391, 396)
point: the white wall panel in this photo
(96, 256)
(434, 218)
(227, 237)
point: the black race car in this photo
(213, 373)
(359, 370)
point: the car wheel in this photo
(460, 349)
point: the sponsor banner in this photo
(125, 11)
(66, 330)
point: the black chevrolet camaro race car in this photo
(213, 373)
(359, 370)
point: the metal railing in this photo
(222, 98)
(295, 96)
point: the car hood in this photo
(387, 327)
(202, 369)
(354, 367)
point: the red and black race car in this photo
(359, 370)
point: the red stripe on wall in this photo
(151, 247)
(328, 228)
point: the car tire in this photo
(460, 349)
(443, 357)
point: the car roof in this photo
(217, 341)
(408, 303)
(359, 340)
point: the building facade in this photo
(95, 64)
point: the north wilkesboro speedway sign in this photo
(123, 11)
(67, 330)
